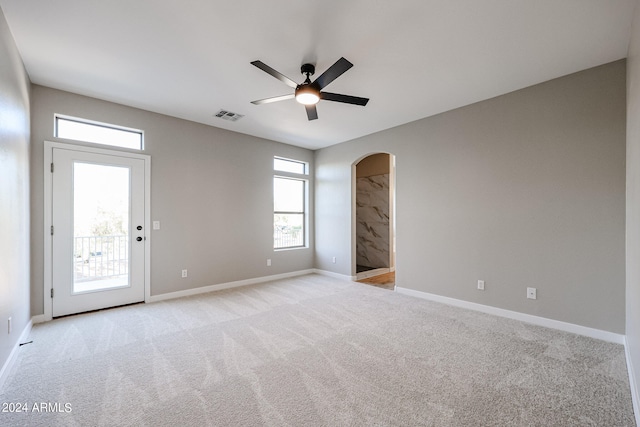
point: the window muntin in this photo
(291, 166)
(97, 133)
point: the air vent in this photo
(228, 115)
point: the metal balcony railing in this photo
(100, 257)
(287, 237)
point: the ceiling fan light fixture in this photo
(306, 95)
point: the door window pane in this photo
(100, 227)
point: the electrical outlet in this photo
(268, 263)
(531, 293)
(9, 325)
(333, 260)
(481, 285)
(184, 273)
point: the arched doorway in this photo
(375, 220)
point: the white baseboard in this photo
(11, 360)
(229, 285)
(633, 385)
(335, 275)
(40, 318)
(527, 318)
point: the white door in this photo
(98, 218)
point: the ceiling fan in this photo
(309, 93)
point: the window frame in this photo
(302, 177)
(57, 117)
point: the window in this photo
(97, 133)
(289, 204)
(292, 166)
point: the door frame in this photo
(392, 213)
(48, 215)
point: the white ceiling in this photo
(412, 58)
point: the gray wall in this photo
(633, 201)
(14, 192)
(526, 189)
(211, 189)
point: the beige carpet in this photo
(313, 351)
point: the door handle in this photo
(139, 239)
(139, 227)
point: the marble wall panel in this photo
(372, 221)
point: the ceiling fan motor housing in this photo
(308, 69)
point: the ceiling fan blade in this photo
(347, 99)
(284, 79)
(312, 112)
(273, 99)
(335, 71)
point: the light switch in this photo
(156, 225)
